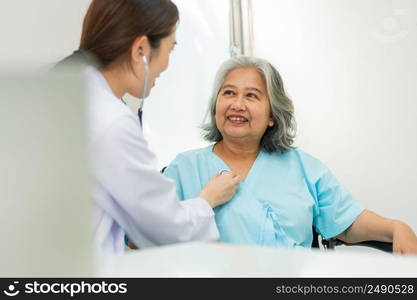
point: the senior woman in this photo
(284, 191)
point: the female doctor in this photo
(131, 41)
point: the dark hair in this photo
(111, 26)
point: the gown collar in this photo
(222, 166)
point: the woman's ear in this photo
(140, 47)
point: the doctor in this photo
(131, 41)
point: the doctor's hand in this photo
(404, 240)
(220, 188)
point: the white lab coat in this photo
(130, 195)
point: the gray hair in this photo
(279, 137)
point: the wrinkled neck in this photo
(233, 150)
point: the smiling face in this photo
(242, 107)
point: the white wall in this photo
(351, 69)
(38, 33)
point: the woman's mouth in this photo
(237, 119)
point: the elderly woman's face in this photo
(242, 107)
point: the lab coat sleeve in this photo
(145, 203)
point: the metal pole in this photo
(241, 28)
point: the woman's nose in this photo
(238, 103)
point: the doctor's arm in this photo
(370, 226)
(219, 189)
(145, 203)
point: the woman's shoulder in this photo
(302, 158)
(307, 156)
(189, 161)
(195, 154)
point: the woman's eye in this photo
(228, 93)
(252, 95)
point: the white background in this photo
(37, 33)
(350, 67)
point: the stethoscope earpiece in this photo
(146, 74)
(145, 60)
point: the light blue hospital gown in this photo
(282, 197)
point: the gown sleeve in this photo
(337, 209)
(173, 172)
(186, 170)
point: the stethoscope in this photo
(145, 87)
(145, 82)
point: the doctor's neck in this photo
(116, 79)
